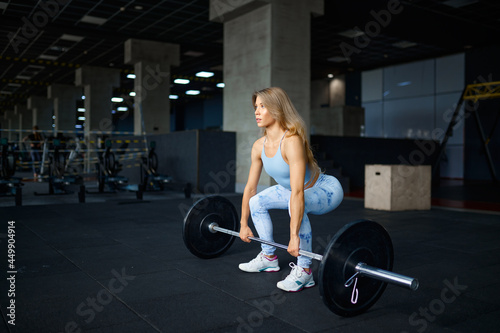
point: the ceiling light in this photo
(192, 92)
(29, 72)
(138, 7)
(93, 20)
(83, 97)
(351, 33)
(181, 81)
(81, 118)
(403, 84)
(58, 48)
(122, 109)
(72, 38)
(47, 57)
(459, 3)
(131, 76)
(221, 85)
(132, 94)
(330, 76)
(173, 97)
(204, 74)
(116, 99)
(404, 44)
(338, 59)
(81, 109)
(78, 126)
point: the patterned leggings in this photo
(323, 197)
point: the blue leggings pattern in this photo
(323, 197)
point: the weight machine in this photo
(58, 177)
(9, 185)
(151, 180)
(474, 93)
(107, 171)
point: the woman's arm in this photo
(250, 189)
(297, 160)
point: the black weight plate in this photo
(110, 163)
(153, 162)
(10, 165)
(360, 241)
(198, 238)
(59, 162)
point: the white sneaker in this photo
(297, 279)
(261, 263)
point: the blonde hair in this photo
(282, 110)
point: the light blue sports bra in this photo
(278, 169)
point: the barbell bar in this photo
(354, 269)
(214, 227)
(361, 268)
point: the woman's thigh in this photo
(324, 196)
(274, 197)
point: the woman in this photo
(285, 154)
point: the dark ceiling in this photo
(42, 43)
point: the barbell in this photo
(354, 270)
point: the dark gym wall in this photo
(482, 65)
(203, 114)
(193, 118)
(212, 115)
(353, 89)
(351, 154)
(205, 159)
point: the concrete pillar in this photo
(41, 110)
(65, 97)
(98, 84)
(152, 61)
(26, 120)
(17, 122)
(266, 43)
(8, 124)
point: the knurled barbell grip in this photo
(215, 227)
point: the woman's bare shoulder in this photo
(257, 146)
(258, 143)
(293, 140)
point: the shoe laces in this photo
(295, 273)
(260, 257)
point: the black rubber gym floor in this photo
(121, 266)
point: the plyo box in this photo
(397, 187)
